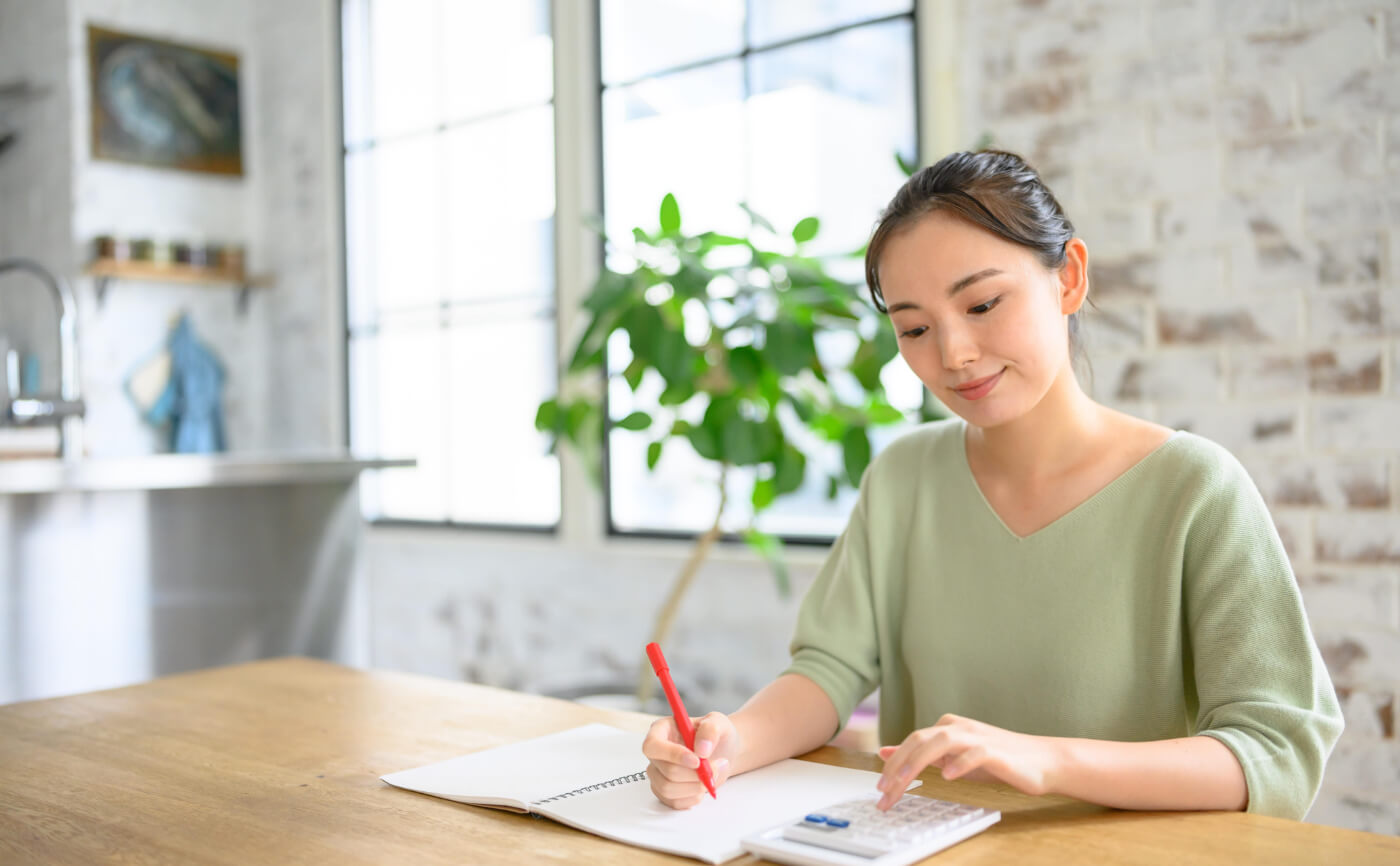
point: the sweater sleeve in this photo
(1261, 685)
(835, 643)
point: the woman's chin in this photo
(987, 412)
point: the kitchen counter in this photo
(180, 471)
(114, 571)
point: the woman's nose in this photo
(957, 348)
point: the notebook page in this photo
(520, 773)
(711, 831)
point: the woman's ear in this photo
(1074, 277)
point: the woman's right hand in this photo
(672, 767)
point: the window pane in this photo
(496, 55)
(450, 255)
(824, 123)
(682, 134)
(500, 206)
(645, 36)
(817, 137)
(776, 20)
(399, 409)
(682, 492)
(405, 92)
(397, 202)
(361, 260)
(500, 371)
(354, 69)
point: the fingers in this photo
(969, 760)
(924, 747)
(683, 793)
(663, 745)
(672, 767)
(710, 729)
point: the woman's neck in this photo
(1060, 433)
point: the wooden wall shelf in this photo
(106, 270)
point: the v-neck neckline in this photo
(1117, 481)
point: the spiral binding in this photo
(611, 783)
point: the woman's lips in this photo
(979, 388)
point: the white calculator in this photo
(855, 833)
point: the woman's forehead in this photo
(939, 249)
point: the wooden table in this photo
(279, 762)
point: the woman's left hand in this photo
(965, 748)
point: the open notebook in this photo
(593, 778)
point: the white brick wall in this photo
(1260, 303)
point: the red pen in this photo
(663, 673)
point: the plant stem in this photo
(646, 678)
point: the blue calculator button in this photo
(838, 822)
(816, 819)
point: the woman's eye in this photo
(984, 308)
(913, 332)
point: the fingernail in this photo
(703, 748)
(720, 765)
(883, 783)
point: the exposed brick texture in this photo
(1234, 168)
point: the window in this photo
(449, 174)
(792, 106)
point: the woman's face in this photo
(979, 320)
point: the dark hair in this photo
(993, 189)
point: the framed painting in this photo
(164, 104)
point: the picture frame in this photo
(164, 104)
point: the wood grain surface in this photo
(279, 761)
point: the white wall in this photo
(284, 209)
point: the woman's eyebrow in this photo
(972, 278)
(953, 289)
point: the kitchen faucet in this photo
(67, 411)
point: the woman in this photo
(1048, 593)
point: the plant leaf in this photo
(880, 412)
(791, 469)
(654, 453)
(756, 219)
(745, 364)
(644, 328)
(589, 352)
(635, 421)
(704, 441)
(855, 453)
(547, 416)
(789, 346)
(806, 229)
(670, 215)
(715, 239)
(677, 393)
(673, 356)
(610, 288)
(764, 492)
(904, 165)
(740, 441)
(575, 418)
(633, 373)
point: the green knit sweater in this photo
(1164, 606)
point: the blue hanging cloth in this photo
(192, 401)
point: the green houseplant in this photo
(727, 327)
